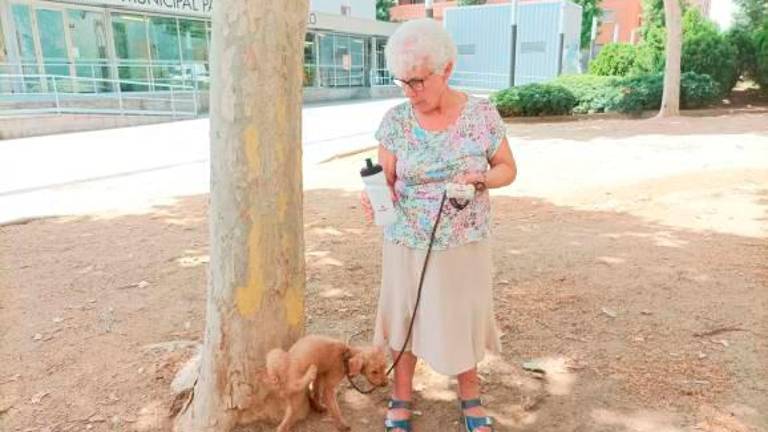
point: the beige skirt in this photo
(455, 324)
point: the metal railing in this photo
(381, 77)
(148, 74)
(22, 94)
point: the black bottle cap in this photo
(370, 169)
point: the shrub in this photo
(594, 94)
(644, 92)
(698, 90)
(534, 100)
(650, 52)
(638, 93)
(761, 56)
(707, 51)
(614, 60)
(744, 43)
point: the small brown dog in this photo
(322, 362)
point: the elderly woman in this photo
(438, 136)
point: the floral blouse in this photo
(427, 161)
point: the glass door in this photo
(130, 35)
(88, 34)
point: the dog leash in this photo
(415, 307)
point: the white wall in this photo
(360, 8)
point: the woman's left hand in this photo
(470, 178)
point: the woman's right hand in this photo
(365, 202)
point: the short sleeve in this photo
(390, 130)
(497, 130)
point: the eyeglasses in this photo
(416, 84)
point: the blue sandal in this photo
(405, 424)
(472, 423)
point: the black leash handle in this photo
(418, 299)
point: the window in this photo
(3, 49)
(164, 48)
(310, 60)
(194, 45)
(164, 39)
(132, 49)
(54, 47)
(194, 51)
(23, 23)
(25, 39)
(342, 60)
(381, 76)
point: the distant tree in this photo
(751, 13)
(470, 2)
(590, 9)
(670, 102)
(382, 9)
(653, 15)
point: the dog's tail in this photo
(277, 366)
(303, 383)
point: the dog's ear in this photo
(356, 364)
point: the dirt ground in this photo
(631, 265)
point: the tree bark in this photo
(670, 102)
(256, 279)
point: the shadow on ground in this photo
(640, 327)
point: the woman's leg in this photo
(402, 388)
(469, 388)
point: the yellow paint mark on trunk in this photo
(294, 307)
(251, 141)
(249, 297)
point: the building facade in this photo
(622, 19)
(148, 45)
(620, 22)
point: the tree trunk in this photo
(256, 280)
(670, 102)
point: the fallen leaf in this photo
(38, 397)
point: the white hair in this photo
(422, 42)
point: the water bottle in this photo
(378, 192)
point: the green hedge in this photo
(639, 93)
(578, 94)
(761, 55)
(534, 100)
(698, 91)
(616, 59)
(644, 92)
(594, 94)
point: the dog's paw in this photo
(343, 427)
